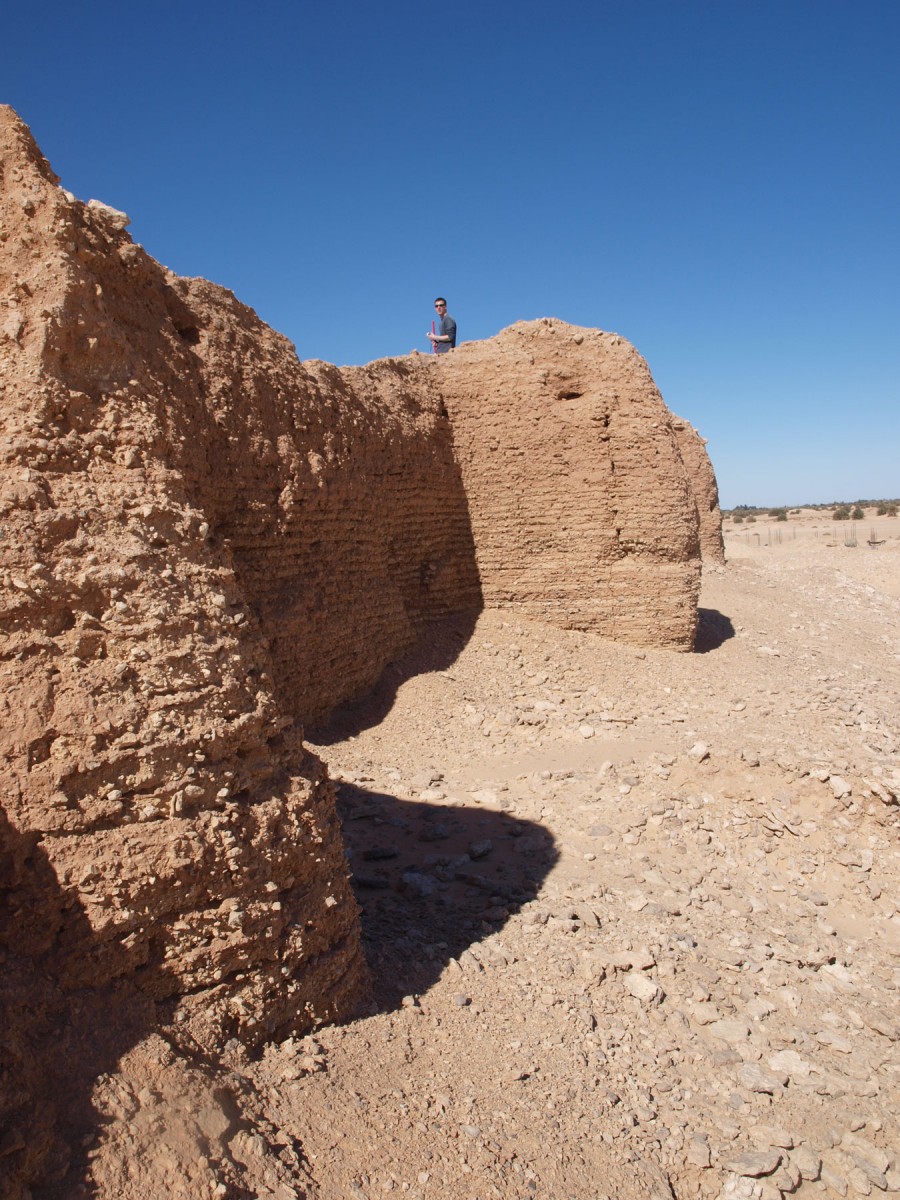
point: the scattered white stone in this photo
(432, 795)
(790, 1062)
(807, 1162)
(643, 988)
(755, 1163)
(757, 1079)
(732, 1031)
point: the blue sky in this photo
(717, 180)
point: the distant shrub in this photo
(738, 519)
(780, 514)
(841, 514)
(858, 514)
(751, 518)
(886, 510)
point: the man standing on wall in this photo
(445, 339)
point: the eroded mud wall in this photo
(206, 541)
(705, 489)
(336, 495)
(581, 506)
(142, 742)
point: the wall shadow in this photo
(55, 1039)
(437, 647)
(713, 629)
(433, 879)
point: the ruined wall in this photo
(142, 743)
(337, 496)
(582, 510)
(206, 542)
(706, 491)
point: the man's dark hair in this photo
(440, 300)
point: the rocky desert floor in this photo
(632, 919)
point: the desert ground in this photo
(631, 918)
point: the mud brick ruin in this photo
(205, 543)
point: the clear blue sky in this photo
(717, 180)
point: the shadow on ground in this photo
(57, 1031)
(713, 628)
(437, 648)
(432, 880)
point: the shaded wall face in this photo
(581, 507)
(339, 500)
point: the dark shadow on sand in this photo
(58, 1031)
(713, 628)
(432, 880)
(437, 649)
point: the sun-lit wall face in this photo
(582, 508)
(189, 840)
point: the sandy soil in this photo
(632, 919)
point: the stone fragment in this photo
(731, 1030)
(486, 796)
(415, 883)
(791, 1063)
(755, 1163)
(774, 1136)
(697, 1151)
(705, 1014)
(481, 849)
(643, 988)
(867, 1156)
(882, 1022)
(833, 1179)
(807, 1162)
(756, 1078)
(117, 219)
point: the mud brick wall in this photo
(337, 497)
(582, 509)
(144, 754)
(705, 488)
(206, 543)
